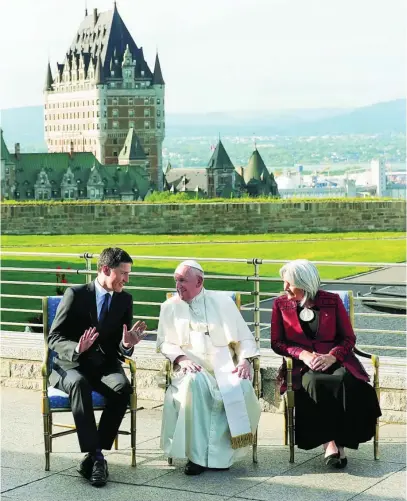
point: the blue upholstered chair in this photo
(255, 362)
(55, 401)
(289, 403)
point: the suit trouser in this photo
(112, 383)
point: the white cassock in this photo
(209, 417)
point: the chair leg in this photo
(116, 443)
(285, 425)
(50, 432)
(376, 441)
(291, 433)
(255, 460)
(133, 425)
(46, 441)
(169, 460)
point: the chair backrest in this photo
(49, 308)
(235, 296)
(347, 300)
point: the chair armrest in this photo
(255, 362)
(289, 362)
(44, 365)
(289, 394)
(132, 365)
(362, 353)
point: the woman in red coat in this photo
(334, 404)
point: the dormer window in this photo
(142, 73)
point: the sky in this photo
(226, 55)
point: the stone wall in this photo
(267, 217)
(21, 368)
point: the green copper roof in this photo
(220, 159)
(256, 169)
(132, 149)
(48, 80)
(116, 179)
(4, 153)
(157, 75)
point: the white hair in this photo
(304, 275)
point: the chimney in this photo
(95, 16)
(17, 150)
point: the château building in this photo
(221, 179)
(74, 175)
(103, 88)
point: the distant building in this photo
(103, 88)
(75, 175)
(221, 179)
(378, 169)
(346, 191)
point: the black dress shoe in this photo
(99, 473)
(193, 469)
(332, 459)
(86, 466)
(342, 463)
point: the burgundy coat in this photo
(335, 335)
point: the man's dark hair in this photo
(113, 257)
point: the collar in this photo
(197, 299)
(100, 291)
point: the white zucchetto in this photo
(191, 264)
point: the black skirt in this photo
(334, 406)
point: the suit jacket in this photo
(334, 335)
(77, 312)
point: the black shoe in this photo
(193, 469)
(86, 466)
(342, 463)
(332, 459)
(99, 473)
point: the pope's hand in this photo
(243, 370)
(188, 365)
(134, 335)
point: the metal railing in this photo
(255, 296)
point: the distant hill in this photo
(26, 125)
(380, 118)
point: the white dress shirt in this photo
(100, 296)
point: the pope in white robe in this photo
(211, 411)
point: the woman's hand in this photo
(307, 357)
(322, 362)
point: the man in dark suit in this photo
(90, 334)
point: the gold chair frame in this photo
(47, 412)
(167, 369)
(289, 395)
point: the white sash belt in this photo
(233, 398)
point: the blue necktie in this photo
(104, 309)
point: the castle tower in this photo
(103, 88)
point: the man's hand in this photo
(188, 365)
(87, 339)
(134, 335)
(322, 362)
(243, 370)
(308, 358)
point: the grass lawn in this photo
(366, 247)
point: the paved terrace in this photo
(273, 478)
